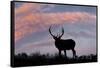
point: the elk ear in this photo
(53, 37)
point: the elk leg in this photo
(74, 53)
(65, 52)
(59, 52)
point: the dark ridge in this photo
(37, 59)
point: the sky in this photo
(32, 21)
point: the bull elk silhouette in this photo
(63, 44)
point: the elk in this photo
(63, 44)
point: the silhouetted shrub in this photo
(37, 59)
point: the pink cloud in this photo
(38, 21)
(31, 8)
(27, 7)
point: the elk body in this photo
(63, 44)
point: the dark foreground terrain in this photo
(38, 59)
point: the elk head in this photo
(58, 37)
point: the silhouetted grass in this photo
(37, 59)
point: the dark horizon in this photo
(37, 59)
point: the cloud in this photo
(27, 7)
(34, 45)
(32, 8)
(84, 34)
(29, 19)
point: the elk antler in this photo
(62, 32)
(50, 32)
